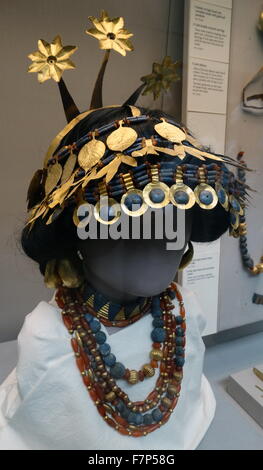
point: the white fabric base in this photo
(44, 404)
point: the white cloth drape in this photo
(44, 404)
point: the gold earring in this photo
(51, 278)
(69, 275)
(187, 257)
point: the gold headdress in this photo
(89, 168)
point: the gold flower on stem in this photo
(111, 33)
(51, 60)
(161, 77)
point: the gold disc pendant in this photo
(205, 196)
(156, 194)
(235, 205)
(107, 211)
(182, 196)
(132, 203)
(234, 219)
(222, 196)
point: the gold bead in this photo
(134, 377)
(148, 370)
(178, 376)
(110, 396)
(166, 402)
(172, 390)
(156, 355)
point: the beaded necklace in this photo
(100, 370)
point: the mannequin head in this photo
(127, 268)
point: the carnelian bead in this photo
(93, 394)
(152, 396)
(138, 403)
(156, 345)
(74, 345)
(123, 431)
(84, 324)
(163, 367)
(60, 300)
(152, 427)
(141, 375)
(99, 391)
(67, 322)
(120, 420)
(127, 374)
(182, 312)
(159, 382)
(86, 379)
(154, 364)
(85, 359)
(81, 364)
(101, 410)
(111, 423)
(137, 433)
(165, 417)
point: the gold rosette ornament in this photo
(51, 60)
(111, 33)
(161, 78)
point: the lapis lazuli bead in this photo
(133, 202)
(179, 320)
(179, 341)
(206, 197)
(179, 361)
(181, 197)
(233, 218)
(156, 301)
(171, 293)
(100, 337)
(104, 349)
(120, 406)
(118, 370)
(158, 335)
(110, 360)
(138, 419)
(157, 415)
(235, 204)
(221, 196)
(89, 317)
(156, 312)
(147, 419)
(107, 213)
(95, 326)
(131, 417)
(125, 412)
(158, 322)
(157, 195)
(179, 350)
(179, 331)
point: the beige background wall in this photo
(243, 132)
(31, 114)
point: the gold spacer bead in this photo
(110, 396)
(148, 370)
(156, 355)
(134, 377)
